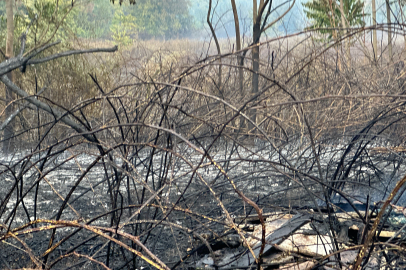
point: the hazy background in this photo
(98, 19)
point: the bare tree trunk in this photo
(254, 10)
(404, 42)
(256, 33)
(374, 38)
(255, 70)
(217, 43)
(238, 46)
(10, 29)
(335, 34)
(347, 59)
(388, 20)
(403, 21)
(8, 143)
(240, 59)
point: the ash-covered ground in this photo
(169, 198)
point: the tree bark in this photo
(256, 33)
(374, 37)
(255, 68)
(217, 44)
(8, 134)
(238, 46)
(240, 59)
(388, 20)
(345, 27)
(335, 34)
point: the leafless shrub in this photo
(161, 169)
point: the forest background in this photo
(99, 19)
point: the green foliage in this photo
(123, 27)
(162, 18)
(321, 16)
(94, 19)
(147, 18)
(55, 21)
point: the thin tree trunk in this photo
(374, 37)
(219, 82)
(403, 21)
(344, 32)
(254, 10)
(256, 33)
(335, 34)
(240, 60)
(238, 46)
(8, 143)
(388, 20)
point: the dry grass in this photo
(157, 61)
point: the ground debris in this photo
(299, 241)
